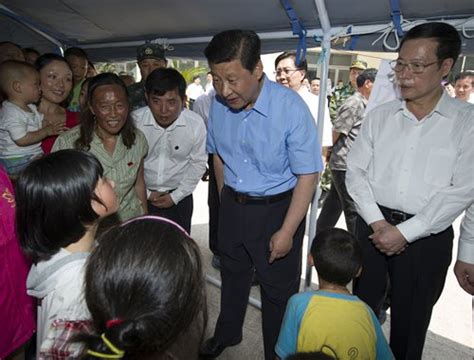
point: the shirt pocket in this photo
(439, 167)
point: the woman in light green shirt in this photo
(107, 131)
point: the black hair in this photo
(163, 80)
(47, 59)
(53, 201)
(447, 37)
(243, 45)
(291, 54)
(75, 51)
(464, 75)
(88, 120)
(337, 256)
(151, 285)
(31, 50)
(316, 78)
(368, 74)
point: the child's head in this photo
(337, 256)
(20, 81)
(59, 197)
(144, 287)
(78, 61)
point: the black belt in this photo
(394, 217)
(245, 199)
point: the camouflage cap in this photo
(359, 64)
(153, 51)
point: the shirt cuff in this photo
(371, 213)
(466, 252)
(413, 229)
(177, 196)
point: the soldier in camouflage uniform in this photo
(149, 58)
(333, 209)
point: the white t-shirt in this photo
(15, 123)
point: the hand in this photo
(54, 128)
(161, 200)
(280, 245)
(465, 274)
(389, 240)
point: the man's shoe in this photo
(212, 349)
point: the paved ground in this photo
(450, 334)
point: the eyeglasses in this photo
(285, 71)
(414, 67)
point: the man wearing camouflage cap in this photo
(149, 58)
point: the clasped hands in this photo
(161, 200)
(387, 238)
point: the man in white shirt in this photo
(290, 75)
(411, 173)
(176, 138)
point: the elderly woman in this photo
(108, 132)
(56, 85)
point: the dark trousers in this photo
(244, 233)
(213, 203)
(417, 279)
(330, 211)
(180, 213)
(345, 200)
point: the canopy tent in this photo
(110, 30)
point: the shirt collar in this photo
(150, 120)
(444, 106)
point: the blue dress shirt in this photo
(266, 147)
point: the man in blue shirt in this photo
(266, 159)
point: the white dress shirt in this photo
(466, 237)
(312, 101)
(425, 167)
(176, 158)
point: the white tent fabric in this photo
(111, 29)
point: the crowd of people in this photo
(97, 259)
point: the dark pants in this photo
(417, 278)
(213, 203)
(331, 210)
(345, 200)
(245, 232)
(180, 213)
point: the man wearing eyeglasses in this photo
(292, 76)
(411, 173)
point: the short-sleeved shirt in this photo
(136, 95)
(15, 123)
(339, 325)
(121, 167)
(264, 149)
(348, 122)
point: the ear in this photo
(258, 71)
(16, 86)
(446, 66)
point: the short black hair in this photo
(464, 75)
(54, 201)
(163, 80)
(337, 256)
(31, 50)
(229, 45)
(152, 283)
(76, 51)
(447, 37)
(368, 74)
(291, 54)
